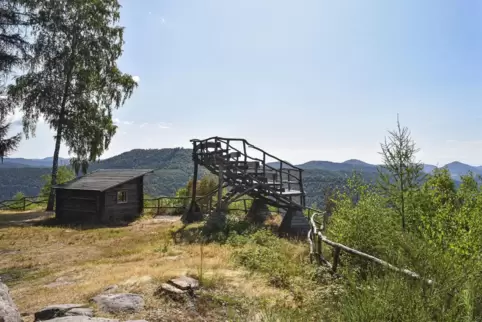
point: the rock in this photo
(172, 292)
(185, 283)
(80, 319)
(80, 311)
(60, 310)
(171, 289)
(8, 309)
(115, 303)
(258, 212)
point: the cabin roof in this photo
(101, 180)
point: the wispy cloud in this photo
(117, 121)
(136, 79)
(163, 21)
(164, 125)
(160, 125)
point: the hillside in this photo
(174, 167)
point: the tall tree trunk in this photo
(58, 139)
(55, 165)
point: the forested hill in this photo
(174, 167)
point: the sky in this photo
(304, 80)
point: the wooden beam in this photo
(355, 252)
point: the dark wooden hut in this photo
(102, 196)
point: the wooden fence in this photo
(23, 204)
(317, 238)
(159, 204)
(180, 204)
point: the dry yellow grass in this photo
(55, 265)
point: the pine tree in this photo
(7, 145)
(400, 173)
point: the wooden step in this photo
(215, 153)
(242, 165)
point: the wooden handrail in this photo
(314, 233)
(250, 145)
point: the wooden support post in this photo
(244, 150)
(24, 204)
(194, 182)
(193, 213)
(264, 164)
(220, 187)
(319, 250)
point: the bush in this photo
(442, 243)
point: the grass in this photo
(53, 265)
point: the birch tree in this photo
(75, 80)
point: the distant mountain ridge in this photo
(36, 163)
(456, 168)
(174, 167)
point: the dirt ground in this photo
(26, 218)
(45, 265)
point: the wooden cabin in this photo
(102, 196)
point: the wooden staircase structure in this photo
(244, 169)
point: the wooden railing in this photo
(287, 172)
(23, 204)
(317, 238)
(165, 203)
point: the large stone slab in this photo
(117, 303)
(60, 310)
(294, 223)
(8, 309)
(258, 212)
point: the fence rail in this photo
(23, 204)
(316, 239)
(158, 204)
(181, 204)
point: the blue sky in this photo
(306, 79)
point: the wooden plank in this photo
(215, 153)
(242, 164)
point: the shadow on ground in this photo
(21, 219)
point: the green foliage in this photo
(18, 201)
(400, 174)
(266, 253)
(74, 81)
(443, 243)
(64, 174)
(7, 144)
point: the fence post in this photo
(24, 204)
(158, 206)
